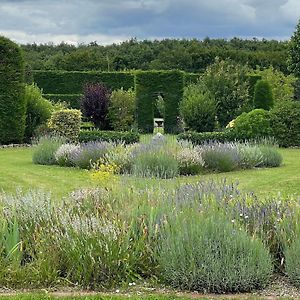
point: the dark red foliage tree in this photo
(95, 103)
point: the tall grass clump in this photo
(44, 152)
(209, 254)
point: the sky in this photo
(113, 21)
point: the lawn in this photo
(17, 171)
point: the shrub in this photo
(66, 123)
(109, 136)
(263, 96)
(285, 123)
(270, 156)
(253, 125)
(293, 52)
(89, 153)
(64, 153)
(121, 109)
(38, 110)
(220, 157)
(189, 160)
(95, 103)
(250, 156)
(12, 100)
(227, 81)
(209, 254)
(44, 152)
(292, 262)
(198, 108)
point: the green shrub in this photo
(69, 100)
(285, 123)
(292, 262)
(263, 96)
(38, 110)
(209, 254)
(121, 109)
(108, 136)
(158, 164)
(12, 93)
(250, 156)
(253, 125)
(199, 138)
(198, 108)
(66, 123)
(44, 152)
(270, 156)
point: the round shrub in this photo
(252, 125)
(12, 100)
(210, 254)
(38, 110)
(121, 109)
(250, 156)
(292, 262)
(263, 96)
(270, 157)
(198, 108)
(64, 153)
(285, 123)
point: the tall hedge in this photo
(12, 93)
(63, 82)
(150, 84)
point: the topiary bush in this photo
(285, 123)
(263, 96)
(38, 110)
(12, 93)
(95, 103)
(66, 123)
(121, 109)
(207, 253)
(198, 108)
(253, 125)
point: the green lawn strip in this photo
(18, 171)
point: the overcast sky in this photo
(108, 21)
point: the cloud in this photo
(107, 21)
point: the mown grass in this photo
(18, 171)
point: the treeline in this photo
(187, 55)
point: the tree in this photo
(294, 52)
(263, 96)
(95, 103)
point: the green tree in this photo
(263, 96)
(294, 52)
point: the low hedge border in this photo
(199, 138)
(109, 136)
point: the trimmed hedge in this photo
(12, 93)
(199, 138)
(150, 84)
(73, 100)
(63, 82)
(112, 136)
(190, 78)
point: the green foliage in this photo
(263, 96)
(209, 254)
(294, 52)
(292, 263)
(282, 85)
(38, 110)
(270, 156)
(121, 109)
(199, 138)
(12, 93)
(148, 85)
(108, 136)
(198, 108)
(285, 124)
(253, 125)
(227, 81)
(44, 152)
(66, 123)
(160, 106)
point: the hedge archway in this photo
(148, 84)
(12, 93)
